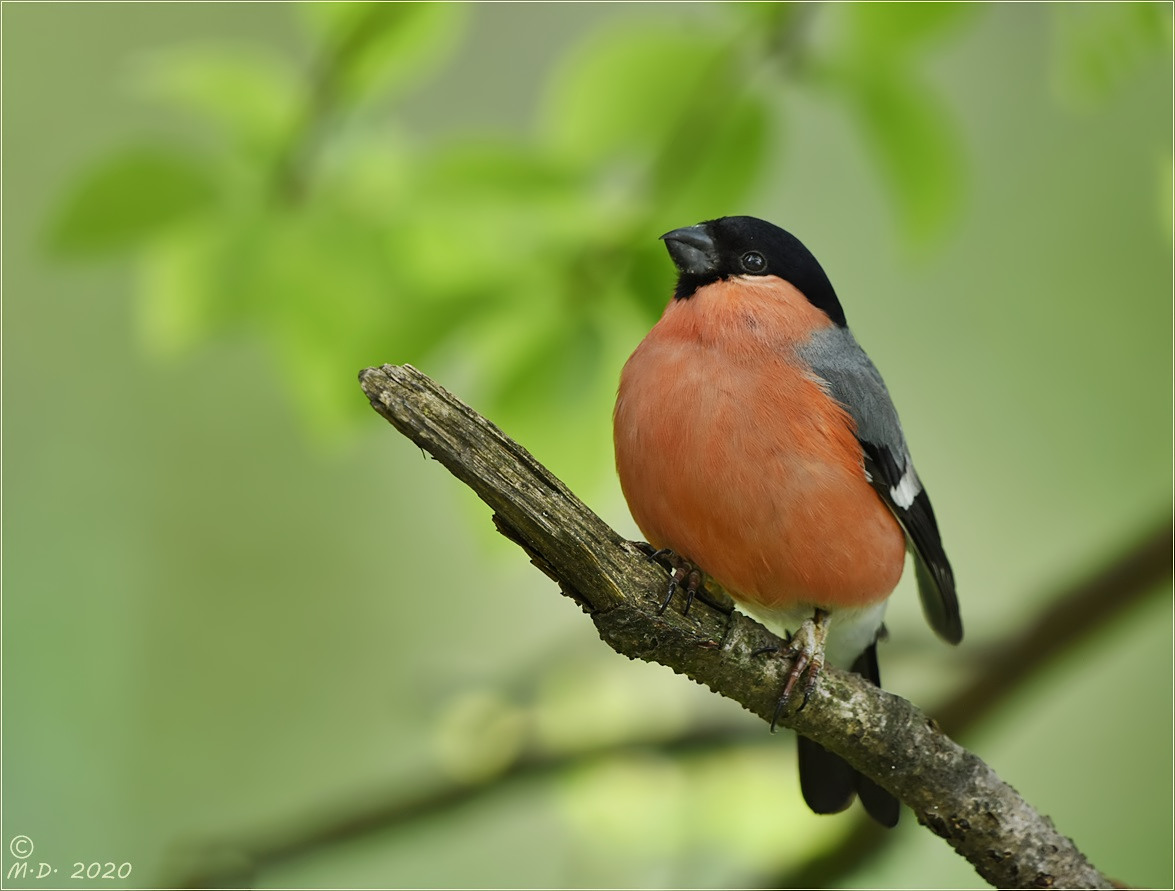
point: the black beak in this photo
(692, 250)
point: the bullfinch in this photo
(757, 444)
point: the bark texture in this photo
(950, 790)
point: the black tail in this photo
(829, 784)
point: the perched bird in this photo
(757, 442)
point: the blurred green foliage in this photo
(132, 197)
(878, 70)
(1099, 45)
(213, 624)
(308, 213)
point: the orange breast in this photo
(732, 456)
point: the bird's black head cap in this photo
(732, 246)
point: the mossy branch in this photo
(950, 790)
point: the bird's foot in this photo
(684, 575)
(806, 649)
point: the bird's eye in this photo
(753, 262)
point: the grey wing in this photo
(851, 378)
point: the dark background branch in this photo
(1083, 608)
(1075, 613)
(1113, 591)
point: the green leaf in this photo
(313, 282)
(130, 198)
(915, 145)
(650, 276)
(725, 160)
(889, 32)
(499, 168)
(627, 90)
(550, 385)
(253, 95)
(905, 127)
(664, 123)
(474, 210)
(1097, 46)
(177, 288)
(768, 18)
(375, 47)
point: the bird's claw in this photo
(683, 574)
(806, 648)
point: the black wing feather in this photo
(843, 369)
(936, 580)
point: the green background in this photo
(237, 605)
